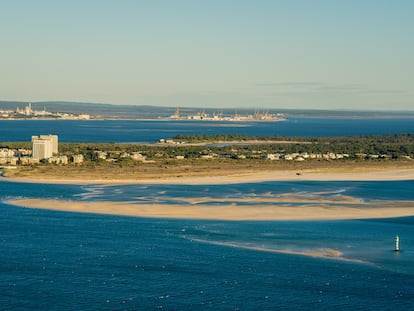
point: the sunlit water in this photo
(124, 131)
(70, 261)
(67, 261)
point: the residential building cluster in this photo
(298, 157)
(305, 156)
(13, 156)
(112, 156)
(44, 148)
(276, 156)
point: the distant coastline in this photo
(144, 112)
(28, 113)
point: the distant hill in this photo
(144, 111)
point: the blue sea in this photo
(147, 131)
(70, 261)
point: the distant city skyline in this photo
(320, 54)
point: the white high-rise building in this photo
(44, 146)
(54, 139)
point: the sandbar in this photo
(229, 212)
(326, 253)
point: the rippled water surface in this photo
(124, 131)
(67, 261)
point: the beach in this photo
(287, 206)
(359, 173)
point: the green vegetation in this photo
(241, 147)
(223, 137)
(221, 155)
(392, 145)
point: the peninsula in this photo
(194, 160)
(211, 159)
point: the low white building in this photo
(28, 161)
(58, 160)
(78, 158)
(137, 156)
(9, 160)
(5, 153)
(289, 157)
(273, 156)
(101, 155)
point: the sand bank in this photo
(252, 198)
(227, 212)
(327, 253)
(231, 177)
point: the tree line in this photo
(394, 146)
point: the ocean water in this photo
(71, 261)
(126, 131)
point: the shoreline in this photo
(325, 174)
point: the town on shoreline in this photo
(29, 113)
(201, 155)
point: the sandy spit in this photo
(225, 212)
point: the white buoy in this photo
(397, 242)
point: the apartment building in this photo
(44, 146)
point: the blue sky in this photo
(331, 54)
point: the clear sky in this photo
(331, 54)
